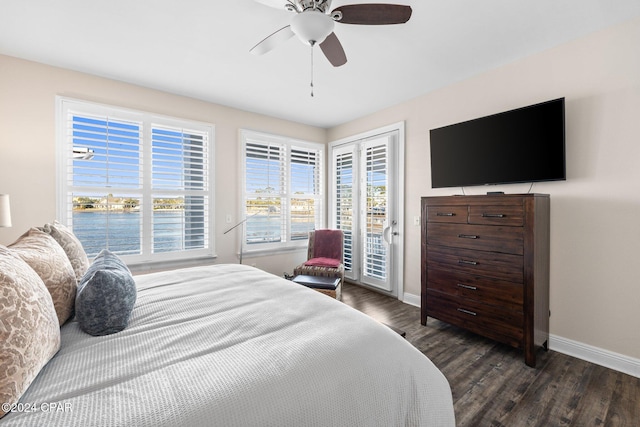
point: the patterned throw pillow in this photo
(71, 245)
(48, 259)
(30, 334)
(106, 296)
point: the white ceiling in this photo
(201, 48)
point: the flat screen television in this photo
(522, 145)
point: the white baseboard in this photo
(411, 299)
(599, 356)
(608, 359)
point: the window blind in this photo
(283, 189)
(105, 152)
(265, 180)
(104, 179)
(376, 176)
(305, 186)
(179, 159)
(133, 183)
(344, 172)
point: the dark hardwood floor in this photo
(491, 385)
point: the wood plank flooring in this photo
(491, 385)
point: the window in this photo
(283, 190)
(135, 183)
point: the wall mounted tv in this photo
(522, 145)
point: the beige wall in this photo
(27, 144)
(595, 221)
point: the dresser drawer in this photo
(509, 215)
(481, 237)
(500, 325)
(506, 267)
(500, 293)
(456, 214)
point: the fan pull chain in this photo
(312, 44)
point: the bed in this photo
(231, 345)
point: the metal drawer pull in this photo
(468, 236)
(489, 215)
(462, 310)
(473, 288)
(445, 214)
(464, 261)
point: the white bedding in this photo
(230, 345)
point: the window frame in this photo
(149, 121)
(290, 143)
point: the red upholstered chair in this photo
(324, 257)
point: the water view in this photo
(121, 232)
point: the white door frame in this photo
(398, 253)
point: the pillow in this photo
(29, 332)
(323, 262)
(106, 296)
(49, 260)
(71, 245)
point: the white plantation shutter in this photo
(283, 189)
(179, 158)
(343, 165)
(305, 168)
(114, 148)
(265, 180)
(375, 214)
(134, 183)
(104, 178)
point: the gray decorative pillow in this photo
(29, 330)
(106, 296)
(48, 259)
(71, 245)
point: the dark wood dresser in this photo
(485, 266)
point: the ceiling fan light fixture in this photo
(312, 26)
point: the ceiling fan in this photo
(313, 23)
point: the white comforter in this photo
(230, 345)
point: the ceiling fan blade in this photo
(374, 14)
(272, 41)
(332, 49)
